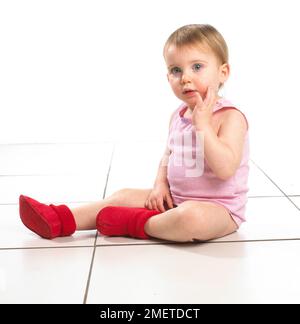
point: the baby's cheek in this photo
(202, 90)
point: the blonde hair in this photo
(203, 34)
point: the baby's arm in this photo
(223, 151)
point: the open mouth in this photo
(189, 91)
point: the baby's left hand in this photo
(202, 113)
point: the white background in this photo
(87, 71)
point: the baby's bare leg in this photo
(85, 216)
(191, 220)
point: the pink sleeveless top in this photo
(189, 176)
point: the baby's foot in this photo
(124, 221)
(47, 221)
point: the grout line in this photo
(108, 172)
(146, 244)
(275, 184)
(90, 271)
(253, 240)
(95, 242)
(201, 242)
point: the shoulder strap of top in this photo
(175, 115)
(231, 107)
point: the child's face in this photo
(192, 69)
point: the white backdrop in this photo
(79, 71)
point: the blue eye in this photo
(175, 70)
(197, 67)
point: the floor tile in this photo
(58, 159)
(60, 172)
(284, 171)
(134, 165)
(268, 218)
(296, 201)
(38, 276)
(71, 188)
(259, 184)
(13, 234)
(256, 272)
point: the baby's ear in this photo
(224, 72)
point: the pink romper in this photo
(189, 176)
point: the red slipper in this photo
(124, 221)
(47, 221)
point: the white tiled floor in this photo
(258, 264)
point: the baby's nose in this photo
(185, 78)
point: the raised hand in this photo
(202, 113)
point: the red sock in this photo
(124, 221)
(47, 221)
